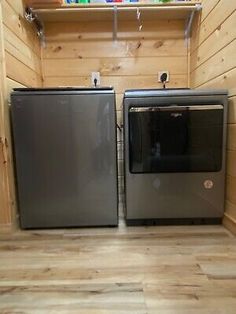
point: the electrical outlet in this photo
(160, 74)
(95, 76)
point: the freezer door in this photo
(65, 149)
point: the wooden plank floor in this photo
(135, 270)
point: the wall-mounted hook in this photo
(29, 16)
(32, 17)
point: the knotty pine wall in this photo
(21, 55)
(213, 65)
(22, 48)
(5, 217)
(74, 50)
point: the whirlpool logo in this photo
(176, 114)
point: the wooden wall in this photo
(22, 47)
(21, 52)
(74, 50)
(5, 217)
(213, 65)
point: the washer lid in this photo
(64, 90)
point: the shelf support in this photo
(32, 17)
(188, 29)
(140, 26)
(115, 22)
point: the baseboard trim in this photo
(5, 229)
(229, 223)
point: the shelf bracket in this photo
(115, 22)
(138, 13)
(188, 29)
(32, 17)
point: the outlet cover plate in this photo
(160, 74)
(95, 75)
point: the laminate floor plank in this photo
(135, 270)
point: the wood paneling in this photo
(18, 7)
(134, 270)
(23, 63)
(230, 209)
(219, 39)
(209, 5)
(223, 61)
(13, 18)
(10, 85)
(225, 81)
(222, 10)
(21, 51)
(232, 110)
(2, 73)
(230, 189)
(229, 222)
(72, 32)
(231, 164)
(120, 83)
(213, 65)
(113, 66)
(22, 67)
(22, 46)
(76, 49)
(231, 137)
(116, 49)
(5, 213)
(21, 73)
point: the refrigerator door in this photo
(65, 148)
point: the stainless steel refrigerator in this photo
(65, 157)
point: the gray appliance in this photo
(65, 153)
(174, 146)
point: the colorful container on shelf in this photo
(97, 1)
(125, 1)
(114, 1)
(76, 1)
(109, 1)
(71, 1)
(163, 1)
(100, 1)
